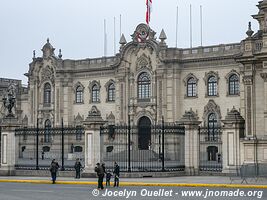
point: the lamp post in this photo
(37, 145)
(129, 144)
(163, 141)
(62, 146)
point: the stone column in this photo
(248, 84)
(92, 145)
(264, 77)
(190, 121)
(233, 130)
(8, 145)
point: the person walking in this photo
(54, 169)
(77, 168)
(100, 174)
(116, 174)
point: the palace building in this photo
(148, 81)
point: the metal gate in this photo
(143, 148)
(36, 147)
(0, 145)
(210, 149)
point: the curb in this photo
(141, 184)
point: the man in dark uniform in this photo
(116, 174)
(53, 169)
(77, 168)
(100, 174)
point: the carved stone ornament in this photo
(190, 75)
(209, 74)
(189, 116)
(78, 119)
(248, 80)
(234, 116)
(211, 107)
(111, 118)
(47, 74)
(143, 33)
(232, 72)
(264, 76)
(94, 115)
(143, 61)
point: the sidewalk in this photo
(184, 181)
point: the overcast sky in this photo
(76, 26)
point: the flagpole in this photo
(105, 39)
(176, 41)
(120, 25)
(190, 26)
(201, 26)
(114, 35)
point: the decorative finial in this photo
(162, 36)
(249, 31)
(122, 40)
(47, 40)
(59, 54)
(33, 56)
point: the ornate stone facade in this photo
(152, 80)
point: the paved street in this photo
(19, 191)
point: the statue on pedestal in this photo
(9, 101)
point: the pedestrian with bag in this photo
(77, 168)
(116, 174)
(100, 174)
(54, 169)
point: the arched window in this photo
(47, 136)
(47, 94)
(95, 93)
(191, 87)
(233, 85)
(79, 94)
(144, 86)
(212, 127)
(111, 92)
(79, 132)
(212, 86)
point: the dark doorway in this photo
(144, 133)
(212, 152)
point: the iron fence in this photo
(210, 149)
(0, 145)
(36, 147)
(143, 148)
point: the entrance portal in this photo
(144, 133)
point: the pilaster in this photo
(190, 121)
(233, 130)
(8, 145)
(92, 126)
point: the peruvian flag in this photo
(148, 10)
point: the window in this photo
(95, 93)
(144, 86)
(79, 132)
(47, 94)
(79, 94)
(234, 85)
(47, 136)
(78, 149)
(191, 87)
(111, 92)
(212, 127)
(212, 86)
